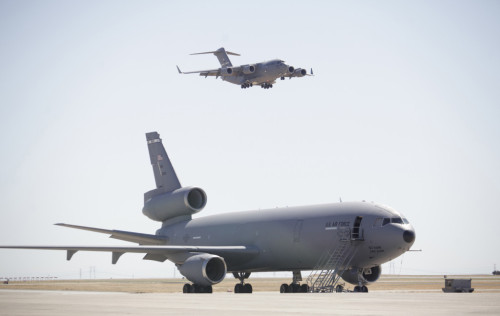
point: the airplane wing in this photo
(206, 73)
(157, 253)
(141, 239)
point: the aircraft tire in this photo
(186, 288)
(284, 288)
(357, 289)
(304, 288)
(293, 288)
(339, 288)
(364, 289)
(248, 288)
(238, 289)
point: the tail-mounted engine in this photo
(204, 269)
(365, 276)
(164, 206)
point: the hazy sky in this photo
(404, 110)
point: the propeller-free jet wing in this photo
(348, 240)
(263, 73)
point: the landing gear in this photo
(242, 287)
(294, 287)
(282, 78)
(196, 288)
(339, 288)
(246, 85)
(266, 85)
(361, 289)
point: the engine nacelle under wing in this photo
(248, 69)
(204, 269)
(299, 72)
(226, 71)
(183, 201)
(369, 275)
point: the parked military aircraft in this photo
(263, 74)
(349, 239)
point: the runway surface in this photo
(23, 302)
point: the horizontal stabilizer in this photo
(214, 52)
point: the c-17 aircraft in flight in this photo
(263, 73)
(348, 240)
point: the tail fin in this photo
(165, 177)
(221, 56)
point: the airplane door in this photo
(356, 230)
(297, 230)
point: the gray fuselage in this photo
(294, 238)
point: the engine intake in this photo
(248, 69)
(291, 69)
(227, 71)
(204, 269)
(299, 72)
(183, 201)
(369, 275)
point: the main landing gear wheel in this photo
(284, 288)
(196, 288)
(294, 288)
(266, 85)
(339, 288)
(242, 287)
(246, 85)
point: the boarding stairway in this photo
(333, 263)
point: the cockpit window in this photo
(395, 220)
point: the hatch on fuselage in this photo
(357, 232)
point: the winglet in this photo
(178, 69)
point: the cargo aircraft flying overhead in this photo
(263, 73)
(348, 240)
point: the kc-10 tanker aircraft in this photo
(350, 240)
(263, 73)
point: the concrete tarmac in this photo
(21, 302)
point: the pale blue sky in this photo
(404, 110)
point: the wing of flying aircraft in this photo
(206, 73)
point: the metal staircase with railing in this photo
(332, 264)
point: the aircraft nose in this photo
(409, 236)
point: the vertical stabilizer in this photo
(165, 177)
(223, 58)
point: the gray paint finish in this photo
(286, 239)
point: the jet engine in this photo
(368, 275)
(226, 71)
(204, 269)
(299, 72)
(291, 69)
(248, 69)
(183, 201)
